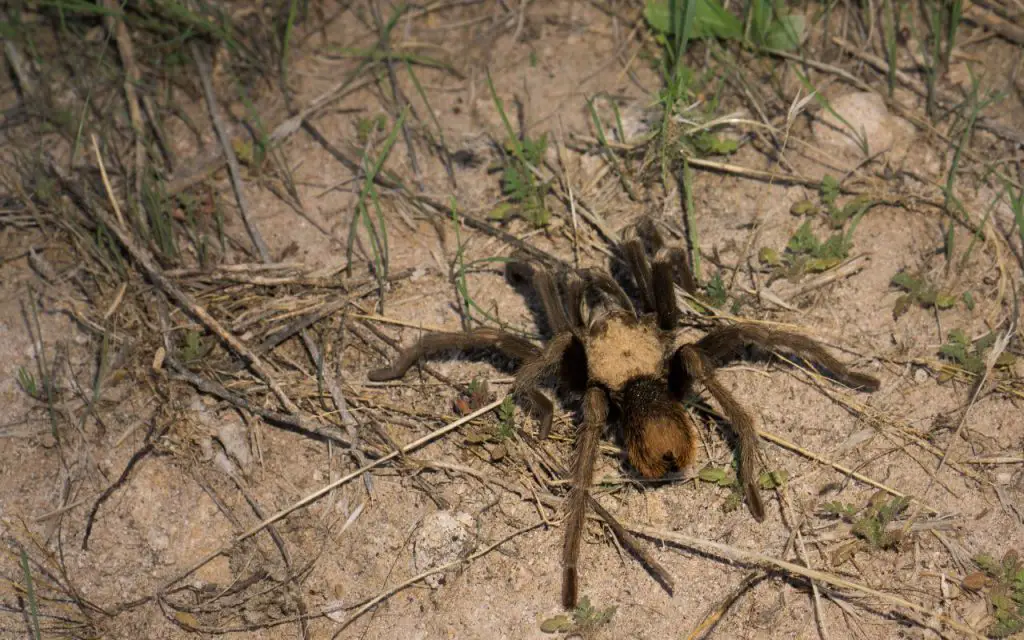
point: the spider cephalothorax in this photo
(629, 366)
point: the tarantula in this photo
(630, 368)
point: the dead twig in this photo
(229, 154)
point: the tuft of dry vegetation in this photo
(217, 217)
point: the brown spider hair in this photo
(630, 366)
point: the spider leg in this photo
(564, 351)
(605, 284)
(639, 266)
(575, 291)
(727, 343)
(676, 255)
(546, 287)
(657, 281)
(697, 365)
(588, 436)
(512, 346)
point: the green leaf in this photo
(556, 624)
(907, 282)
(710, 20)
(804, 208)
(803, 240)
(658, 16)
(901, 306)
(707, 143)
(769, 256)
(944, 301)
(714, 475)
(772, 479)
(968, 300)
(501, 212)
(786, 33)
(829, 189)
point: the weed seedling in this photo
(584, 620)
(970, 356)
(1003, 583)
(919, 291)
(870, 525)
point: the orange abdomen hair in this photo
(661, 440)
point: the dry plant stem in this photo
(376, 600)
(412, 446)
(142, 256)
(714, 617)
(786, 444)
(435, 208)
(281, 132)
(334, 389)
(735, 554)
(293, 422)
(225, 142)
(413, 580)
(997, 350)
(106, 180)
(981, 16)
(126, 50)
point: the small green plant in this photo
(583, 620)
(725, 477)
(1003, 583)
(763, 25)
(27, 382)
(519, 183)
(715, 291)
(919, 291)
(841, 509)
(506, 418)
(805, 252)
(870, 524)
(707, 143)
(873, 524)
(368, 128)
(971, 355)
(195, 348)
(517, 179)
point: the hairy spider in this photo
(631, 369)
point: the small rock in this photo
(920, 375)
(235, 439)
(866, 113)
(443, 537)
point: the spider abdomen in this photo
(658, 432)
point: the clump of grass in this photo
(725, 477)
(584, 620)
(921, 292)
(870, 524)
(194, 347)
(1002, 582)
(970, 355)
(524, 190)
(805, 252)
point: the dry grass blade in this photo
(145, 259)
(412, 446)
(735, 554)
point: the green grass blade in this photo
(30, 590)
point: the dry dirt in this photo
(195, 491)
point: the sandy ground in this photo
(216, 472)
